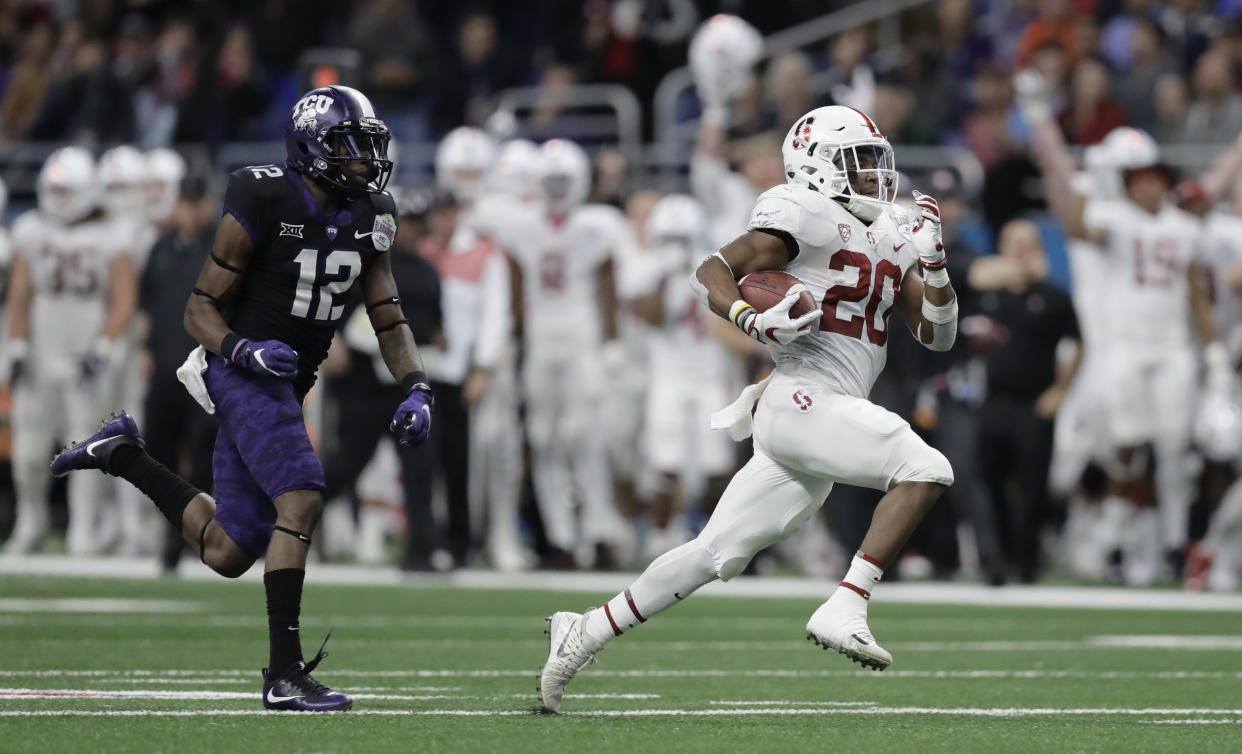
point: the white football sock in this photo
(855, 589)
(669, 579)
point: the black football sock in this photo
(284, 604)
(170, 492)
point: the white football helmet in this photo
(122, 173)
(565, 174)
(66, 188)
(164, 171)
(517, 170)
(830, 147)
(678, 224)
(463, 161)
(723, 49)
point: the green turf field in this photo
(127, 665)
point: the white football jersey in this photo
(69, 266)
(1222, 250)
(1146, 300)
(560, 261)
(854, 269)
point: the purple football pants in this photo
(262, 451)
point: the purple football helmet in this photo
(331, 130)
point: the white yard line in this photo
(1112, 642)
(100, 605)
(249, 675)
(1001, 712)
(605, 584)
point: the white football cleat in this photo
(568, 652)
(848, 634)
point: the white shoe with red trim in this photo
(569, 650)
(846, 631)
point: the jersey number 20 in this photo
(336, 262)
(877, 332)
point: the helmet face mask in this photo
(839, 151)
(333, 135)
(463, 160)
(566, 175)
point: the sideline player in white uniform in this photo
(569, 305)
(690, 372)
(834, 227)
(505, 213)
(1155, 294)
(123, 175)
(71, 296)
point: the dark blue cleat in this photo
(294, 690)
(95, 451)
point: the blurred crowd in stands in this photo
(159, 74)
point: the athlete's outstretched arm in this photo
(1052, 157)
(392, 330)
(218, 283)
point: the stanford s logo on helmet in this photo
(331, 127)
(840, 152)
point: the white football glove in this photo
(1033, 95)
(926, 233)
(774, 326)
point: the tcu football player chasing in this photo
(290, 247)
(833, 226)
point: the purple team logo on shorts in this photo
(331, 231)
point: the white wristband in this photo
(937, 278)
(940, 315)
(737, 309)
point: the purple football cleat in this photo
(95, 451)
(293, 690)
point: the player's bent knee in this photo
(299, 510)
(731, 554)
(928, 465)
(229, 563)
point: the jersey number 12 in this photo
(337, 260)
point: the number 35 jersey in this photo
(853, 269)
(69, 274)
(306, 261)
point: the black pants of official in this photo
(450, 428)
(181, 436)
(363, 408)
(1015, 450)
(957, 435)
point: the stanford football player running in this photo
(833, 226)
(290, 247)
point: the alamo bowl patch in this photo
(383, 232)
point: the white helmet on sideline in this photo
(517, 169)
(463, 161)
(164, 171)
(122, 175)
(66, 187)
(565, 174)
(830, 147)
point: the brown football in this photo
(766, 288)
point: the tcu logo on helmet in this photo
(307, 111)
(802, 132)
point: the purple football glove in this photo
(269, 357)
(412, 421)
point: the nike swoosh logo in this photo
(258, 356)
(560, 650)
(897, 247)
(678, 595)
(272, 698)
(293, 628)
(859, 639)
(90, 449)
(358, 235)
